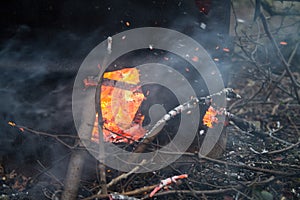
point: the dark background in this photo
(42, 44)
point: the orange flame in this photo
(226, 50)
(120, 109)
(210, 117)
(12, 123)
(195, 59)
(283, 43)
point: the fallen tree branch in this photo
(284, 149)
(228, 92)
(151, 134)
(244, 166)
(217, 191)
(125, 175)
(129, 193)
(73, 175)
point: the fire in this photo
(127, 75)
(89, 82)
(195, 59)
(11, 123)
(226, 50)
(15, 125)
(210, 117)
(283, 43)
(120, 107)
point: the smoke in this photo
(40, 56)
(38, 67)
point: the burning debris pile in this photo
(121, 101)
(257, 156)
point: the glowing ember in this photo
(90, 82)
(195, 59)
(12, 123)
(210, 117)
(226, 49)
(127, 75)
(283, 43)
(147, 93)
(122, 120)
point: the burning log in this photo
(121, 120)
(120, 89)
(208, 119)
(121, 98)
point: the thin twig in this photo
(50, 174)
(56, 137)
(217, 191)
(270, 133)
(296, 85)
(49, 167)
(125, 175)
(284, 72)
(129, 193)
(244, 166)
(285, 149)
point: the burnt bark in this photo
(74, 172)
(77, 159)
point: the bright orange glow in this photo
(283, 43)
(226, 49)
(210, 117)
(195, 59)
(127, 75)
(122, 120)
(89, 82)
(12, 123)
